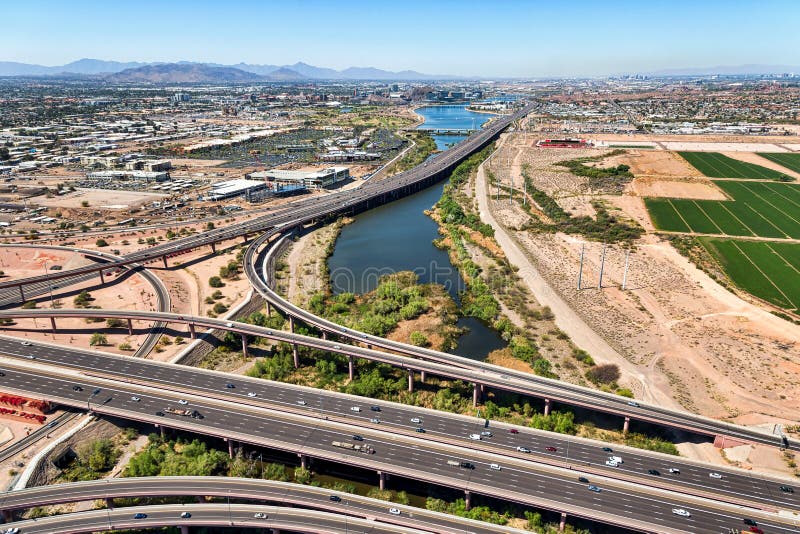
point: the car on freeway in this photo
(77, 388)
(583, 479)
(523, 449)
(420, 430)
(674, 470)
(750, 522)
(476, 437)
(594, 488)
(681, 512)
(375, 408)
(654, 472)
(486, 434)
(355, 408)
(756, 530)
(415, 420)
(229, 386)
(787, 489)
(375, 420)
(31, 357)
(229, 325)
(364, 336)
(611, 463)
(252, 394)
(550, 449)
(12, 530)
(160, 414)
(337, 347)
(135, 398)
(140, 515)
(185, 515)
(715, 475)
(394, 511)
(494, 467)
(26, 343)
(260, 515)
(2, 373)
(183, 402)
(633, 403)
(356, 437)
(513, 431)
(335, 498)
(608, 449)
(301, 402)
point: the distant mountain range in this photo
(199, 72)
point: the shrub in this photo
(216, 281)
(101, 243)
(219, 308)
(98, 339)
(29, 305)
(419, 339)
(603, 374)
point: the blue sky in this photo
(489, 38)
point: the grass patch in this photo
(716, 165)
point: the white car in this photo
(415, 420)
(13, 530)
(229, 325)
(674, 470)
(26, 343)
(375, 420)
(301, 402)
(715, 475)
(252, 394)
(394, 511)
(355, 408)
(681, 512)
(260, 515)
(183, 402)
(523, 449)
(494, 467)
(611, 463)
(135, 399)
(476, 437)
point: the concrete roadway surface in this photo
(237, 516)
(619, 503)
(252, 489)
(737, 485)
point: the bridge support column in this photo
(200, 499)
(192, 333)
(369, 346)
(411, 381)
(53, 323)
(626, 425)
(303, 461)
(324, 335)
(563, 522)
(184, 529)
(109, 503)
(8, 516)
(230, 448)
(102, 279)
(351, 368)
(213, 248)
(130, 327)
(546, 407)
(244, 238)
(21, 293)
(295, 356)
(422, 376)
(164, 259)
(381, 480)
(244, 345)
(476, 395)
(291, 324)
(269, 309)
(467, 500)
(161, 430)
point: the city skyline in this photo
(525, 39)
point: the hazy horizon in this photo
(509, 38)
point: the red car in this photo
(756, 530)
(513, 431)
(551, 449)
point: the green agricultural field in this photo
(790, 161)
(715, 165)
(768, 270)
(763, 209)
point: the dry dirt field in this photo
(101, 198)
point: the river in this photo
(398, 237)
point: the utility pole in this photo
(625, 274)
(602, 266)
(580, 271)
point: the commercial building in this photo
(149, 165)
(234, 188)
(308, 179)
(140, 176)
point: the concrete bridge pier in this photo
(200, 499)
(291, 324)
(130, 327)
(244, 345)
(53, 324)
(303, 461)
(324, 335)
(546, 407)
(467, 500)
(21, 293)
(192, 333)
(295, 356)
(184, 529)
(411, 381)
(269, 309)
(381, 480)
(213, 248)
(230, 448)
(351, 370)
(164, 259)
(422, 376)
(109, 503)
(8, 516)
(563, 522)
(476, 394)
(626, 425)
(102, 279)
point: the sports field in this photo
(763, 209)
(790, 161)
(768, 270)
(716, 165)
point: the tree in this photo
(216, 281)
(98, 339)
(101, 243)
(83, 299)
(419, 339)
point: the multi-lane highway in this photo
(418, 458)
(266, 491)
